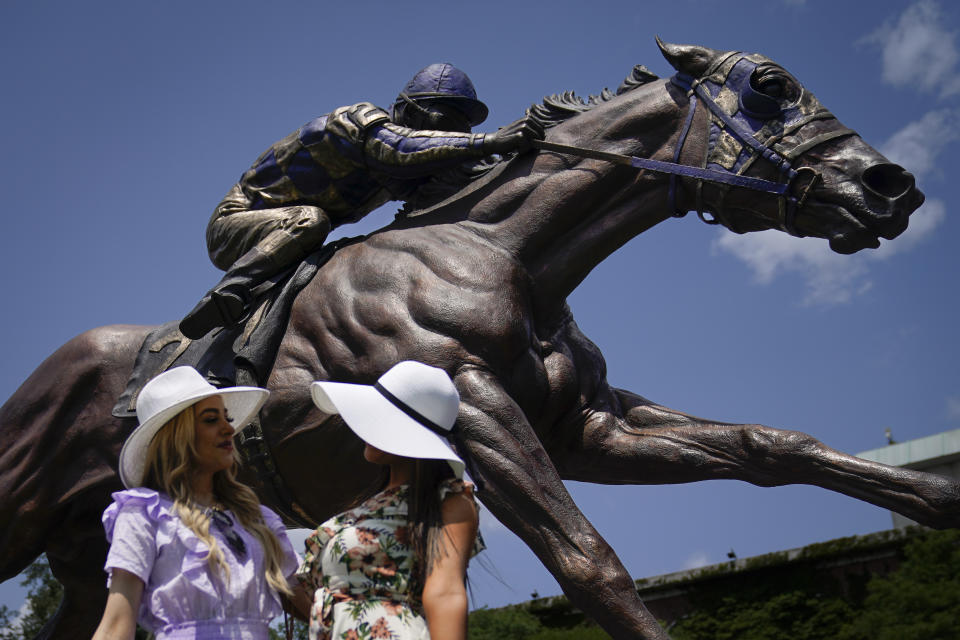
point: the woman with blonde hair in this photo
(395, 565)
(193, 554)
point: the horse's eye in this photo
(767, 93)
(775, 84)
(773, 87)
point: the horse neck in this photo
(561, 215)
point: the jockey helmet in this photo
(443, 82)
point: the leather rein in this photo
(743, 125)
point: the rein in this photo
(741, 125)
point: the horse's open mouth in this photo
(853, 241)
(861, 230)
(856, 214)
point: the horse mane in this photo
(560, 107)
(552, 111)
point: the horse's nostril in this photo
(890, 181)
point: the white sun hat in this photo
(408, 412)
(168, 394)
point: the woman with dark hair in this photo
(395, 566)
(193, 554)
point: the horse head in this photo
(764, 123)
(733, 136)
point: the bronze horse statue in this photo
(477, 285)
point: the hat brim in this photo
(476, 111)
(241, 403)
(379, 423)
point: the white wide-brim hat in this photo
(168, 394)
(407, 412)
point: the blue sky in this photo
(124, 123)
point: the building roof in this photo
(941, 448)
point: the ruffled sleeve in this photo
(290, 558)
(131, 523)
(453, 486)
(310, 572)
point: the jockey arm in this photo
(400, 151)
(340, 162)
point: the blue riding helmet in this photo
(443, 82)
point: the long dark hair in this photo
(426, 522)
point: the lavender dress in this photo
(181, 598)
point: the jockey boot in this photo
(304, 230)
(229, 302)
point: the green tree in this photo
(300, 629)
(43, 598)
(798, 615)
(509, 623)
(517, 623)
(919, 600)
(575, 633)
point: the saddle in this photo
(243, 354)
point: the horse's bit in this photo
(754, 110)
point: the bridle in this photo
(751, 114)
(754, 110)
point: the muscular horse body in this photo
(478, 286)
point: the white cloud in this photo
(696, 560)
(923, 222)
(917, 145)
(918, 51)
(830, 278)
(13, 628)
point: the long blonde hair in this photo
(171, 459)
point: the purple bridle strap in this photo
(673, 168)
(672, 195)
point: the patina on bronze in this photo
(477, 285)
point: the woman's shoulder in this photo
(457, 502)
(149, 500)
(141, 504)
(271, 519)
(455, 486)
(459, 505)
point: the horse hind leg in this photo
(58, 453)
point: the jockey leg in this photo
(279, 238)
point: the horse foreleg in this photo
(523, 490)
(630, 440)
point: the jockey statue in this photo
(336, 169)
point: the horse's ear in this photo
(688, 58)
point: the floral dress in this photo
(359, 564)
